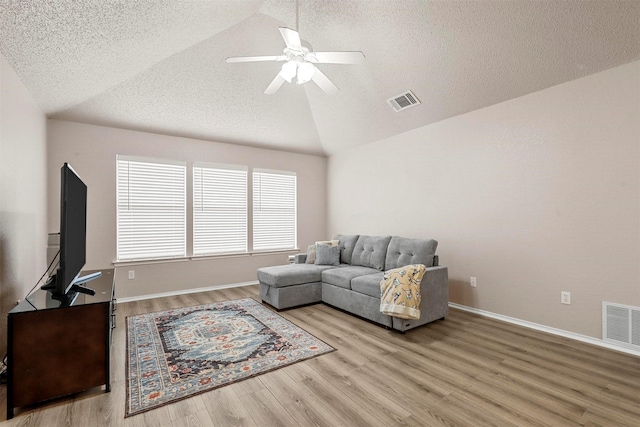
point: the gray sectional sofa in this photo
(354, 284)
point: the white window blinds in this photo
(151, 217)
(219, 209)
(274, 210)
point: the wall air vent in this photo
(621, 325)
(403, 101)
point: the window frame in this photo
(257, 204)
(179, 194)
(215, 168)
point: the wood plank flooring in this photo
(464, 371)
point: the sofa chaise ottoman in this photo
(353, 283)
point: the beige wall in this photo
(23, 234)
(92, 150)
(533, 196)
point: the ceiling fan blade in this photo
(324, 82)
(256, 58)
(339, 57)
(274, 85)
(291, 38)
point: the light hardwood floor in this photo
(464, 371)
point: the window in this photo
(151, 216)
(274, 210)
(219, 209)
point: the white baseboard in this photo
(548, 329)
(185, 291)
(513, 320)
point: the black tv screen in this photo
(73, 229)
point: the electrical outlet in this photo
(565, 297)
(132, 274)
(473, 281)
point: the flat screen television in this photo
(65, 283)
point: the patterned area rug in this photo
(177, 353)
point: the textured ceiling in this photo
(158, 66)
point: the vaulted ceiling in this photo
(159, 66)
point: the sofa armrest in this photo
(434, 305)
(434, 289)
(300, 258)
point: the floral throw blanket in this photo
(400, 291)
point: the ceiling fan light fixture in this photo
(306, 70)
(288, 71)
(300, 63)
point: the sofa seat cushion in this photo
(291, 274)
(342, 276)
(368, 285)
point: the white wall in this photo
(534, 196)
(92, 150)
(23, 235)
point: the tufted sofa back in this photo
(385, 252)
(370, 251)
(347, 243)
(403, 251)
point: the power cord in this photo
(45, 272)
(3, 370)
(40, 280)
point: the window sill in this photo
(148, 261)
(275, 251)
(202, 257)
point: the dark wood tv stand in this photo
(54, 351)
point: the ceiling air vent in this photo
(403, 101)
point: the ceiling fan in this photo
(300, 63)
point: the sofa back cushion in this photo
(371, 251)
(347, 243)
(403, 251)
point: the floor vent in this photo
(403, 101)
(621, 324)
